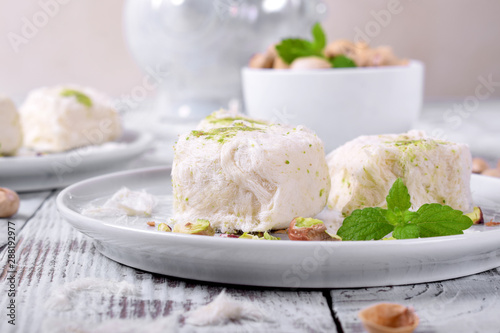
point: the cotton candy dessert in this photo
(10, 128)
(248, 177)
(227, 118)
(363, 170)
(56, 119)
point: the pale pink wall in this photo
(82, 43)
(457, 39)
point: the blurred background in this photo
(84, 42)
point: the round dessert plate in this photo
(283, 263)
(31, 172)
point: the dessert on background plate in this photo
(10, 128)
(57, 119)
(249, 177)
(363, 170)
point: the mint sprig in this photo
(430, 220)
(293, 48)
(341, 61)
(319, 37)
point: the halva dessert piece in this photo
(363, 170)
(60, 118)
(10, 128)
(249, 178)
(226, 118)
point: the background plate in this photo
(281, 263)
(32, 173)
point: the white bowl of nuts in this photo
(341, 90)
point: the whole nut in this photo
(491, 173)
(389, 317)
(260, 60)
(479, 165)
(280, 64)
(310, 63)
(9, 202)
(308, 229)
(338, 47)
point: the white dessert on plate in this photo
(363, 170)
(56, 119)
(10, 128)
(225, 118)
(249, 178)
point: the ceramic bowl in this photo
(338, 104)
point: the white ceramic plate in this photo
(31, 173)
(281, 263)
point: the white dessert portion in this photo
(125, 202)
(226, 118)
(249, 178)
(10, 128)
(363, 170)
(61, 118)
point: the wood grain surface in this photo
(51, 254)
(469, 304)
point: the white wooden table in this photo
(51, 256)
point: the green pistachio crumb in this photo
(164, 227)
(80, 97)
(306, 222)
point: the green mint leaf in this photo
(291, 49)
(395, 217)
(405, 231)
(439, 220)
(319, 37)
(365, 224)
(398, 197)
(409, 216)
(80, 97)
(341, 61)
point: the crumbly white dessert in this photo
(60, 118)
(10, 128)
(363, 170)
(226, 118)
(249, 178)
(125, 202)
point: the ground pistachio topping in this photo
(80, 97)
(223, 133)
(306, 222)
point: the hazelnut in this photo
(339, 47)
(308, 229)
(200, 227)
(389, 317)
(310, 63)
(479, 165)
(280, 64)
(491, 173)
(9, 202)
(264, 60)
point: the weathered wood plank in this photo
(469, 304)
(51, 254)
(30, 202)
